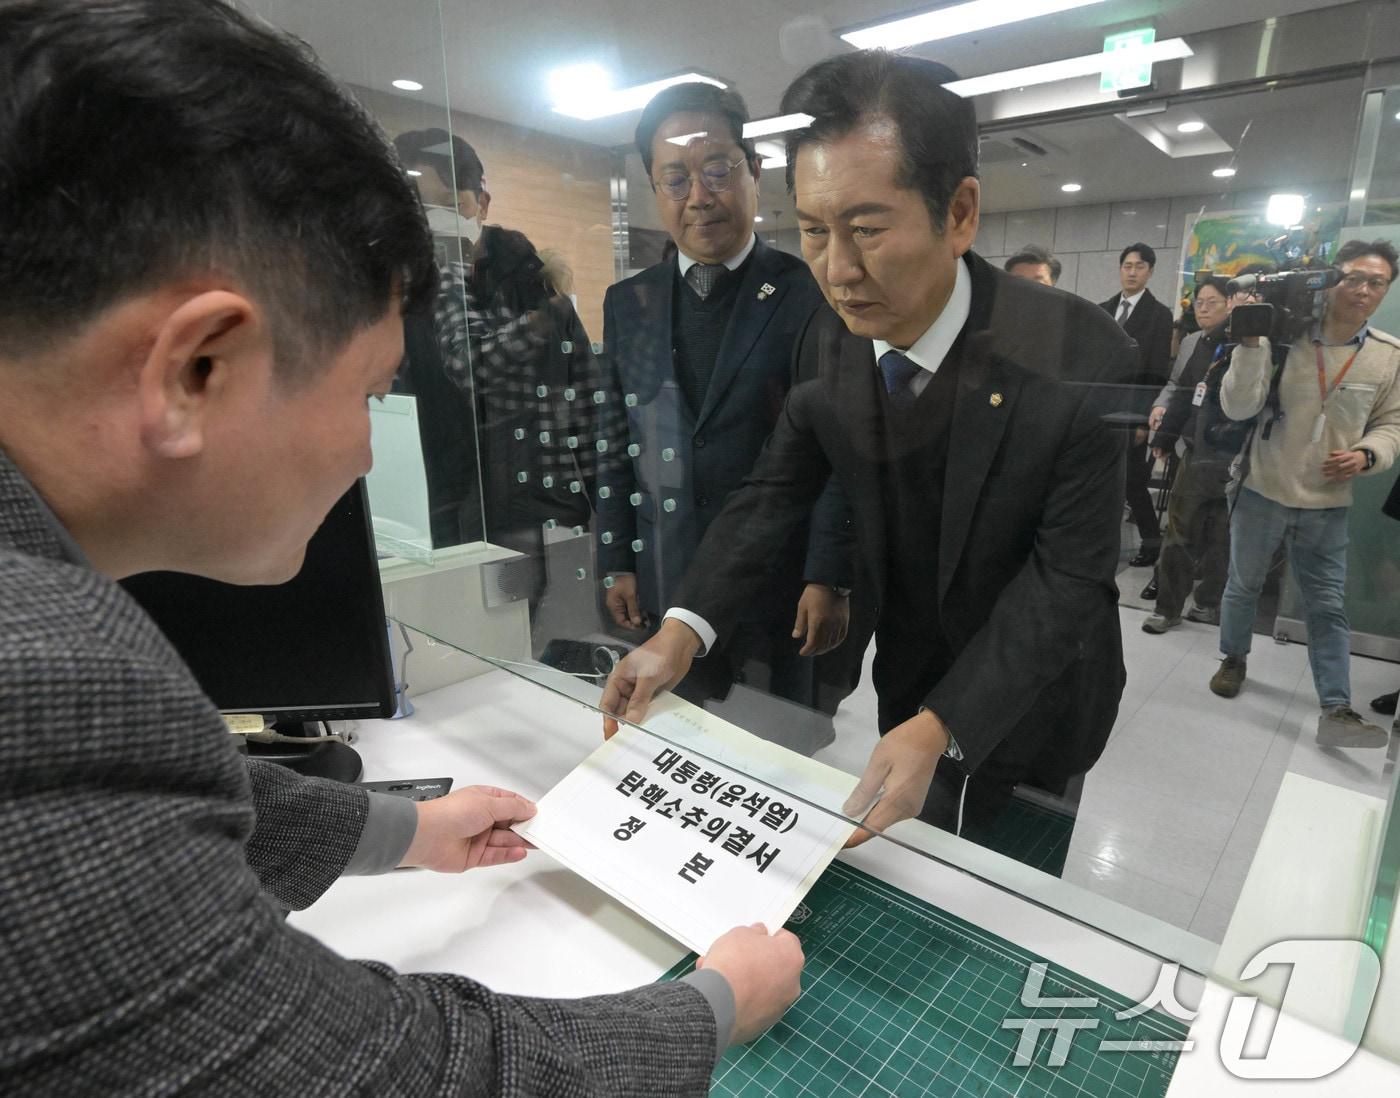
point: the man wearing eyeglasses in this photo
(1338, 418)
(699, 347)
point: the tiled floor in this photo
(1171, 815)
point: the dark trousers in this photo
(988, 795)
(1138, 496)
(1197, 545)
(771, 653)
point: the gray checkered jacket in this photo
(143, 867)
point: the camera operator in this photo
(1336, 416)
(1198, 536)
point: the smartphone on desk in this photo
(415, 789)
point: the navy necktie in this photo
(898, 370)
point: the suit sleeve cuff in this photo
(389, 829)
(700, 625)
(954, 752)
(720, 996)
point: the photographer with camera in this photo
(1198, 535)
(1328, 413)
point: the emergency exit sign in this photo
(1135, 69)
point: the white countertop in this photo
(535, 928)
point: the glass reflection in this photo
(1169, 815)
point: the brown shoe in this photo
(1343, 726)
(1227, 681)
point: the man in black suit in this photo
(1149, 322)
(700, 359)
(961, 410)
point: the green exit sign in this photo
(1133, 71)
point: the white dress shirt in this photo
(684, 262)
(931, 348)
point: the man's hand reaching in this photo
(902, 764)
(822, 619)
(648, 670)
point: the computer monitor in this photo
(313, 649)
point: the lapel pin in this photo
(996, 400)
(766, 291)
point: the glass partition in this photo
(621, 329)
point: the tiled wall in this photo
(1087, 239)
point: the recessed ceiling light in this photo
(771, 154)
(1223, 173)
(1191, 127)
(1169, 49)
(1360, 192)
(758, 219)
(1070, 188)
(408, 85)
(949, 22)
(586, 92)
(762, 127)
(413, 172)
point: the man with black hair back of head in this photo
(184, 379)
(699, 352)
(1035, 263)
(962, 412)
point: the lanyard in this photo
(1323, 389)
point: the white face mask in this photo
(445, 221)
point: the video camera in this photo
(1291, 305)
(1291, 299)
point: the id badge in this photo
(1200, 396)
(1319, 425)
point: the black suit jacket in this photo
(1029, 528)
(696, 459)
(1150, 326)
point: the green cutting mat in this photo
(901, 998)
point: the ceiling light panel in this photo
(949, 22)
(762, 127)
(584, 92)
(1091, 64)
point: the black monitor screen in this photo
(315, 648)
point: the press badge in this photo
(1200, 397)
(1318, 425)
